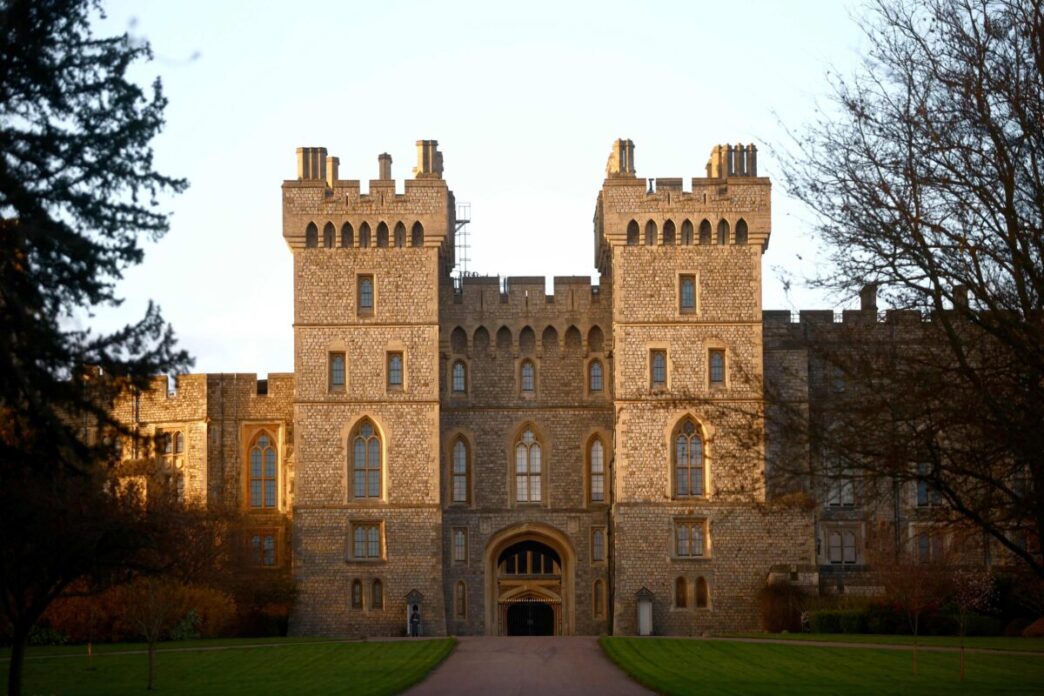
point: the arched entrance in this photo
(529, 571)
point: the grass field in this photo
(987, 642)
(303, 667)
(679, 666)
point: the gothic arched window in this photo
(262, 474)
(461, 476)
(595, 380)
(596, 471)
(366, 461)
(527, 468)
(460, 377)
(311, 235)
(688, 460)
(528, 375)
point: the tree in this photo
(927, 180)
(77, 192)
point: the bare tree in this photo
(926, 179)
(972, 591)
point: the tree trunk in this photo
(19, 638)
(152, 663)
(917, 621)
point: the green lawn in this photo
(679, 666)
(358, 668)
(989, 642)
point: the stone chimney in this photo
(333, 165)
(311, 163)
(868, 298)
(621, 160)
(384, 162)
(429, 160)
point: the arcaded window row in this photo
(347, 239)
(687, 237)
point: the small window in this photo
(356, 594)
(842, 490)
(595, 375)
(382, 235)
(311, 236)
(596, 456)
(179, 443)
(658, 368)
(347, 235)
(365, 295)
(723, 232)
(650, 233)
(329, 235)
(689, 539)
(741, 231)
(598, 597)
(461, 600)
(705, 233)
(461, 472)
(364, 235)
(395, 371)
(417, 235)
(336, 372)
(681, 593)
(366, 541)
(598, 545)
(460, 545)
(400, 235)
(687, 294)
(668, 232)
(686, 233)
(263, 549)
(716, 366)
(927, 494)
(632, 233)
(377, 595)
(528, 374)
(702, 593)
(460, 377)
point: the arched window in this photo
(598, 545)
(366, 461)
(650, 233)
(681, 593)
(688, 460)
(598, 596)
(668, 232)
(460, 600)
(356, 594)
(365, 295)
(328, 235)
(528, 375)
(596, 471)
(686, 233)
(723, 232)
(400, 235)
(595, 376)
(382, 235)
(461, 472)
(262, 478)
(527, 468)
(179, 442)
(658, 369)
(347, 235)
(632, 233)
(702, 593)
(311, 236)
(705, 232)
(460, 377)
(741, 231)
(364, 235)
(377, 595)
(417, 235)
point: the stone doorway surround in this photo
(555, 591)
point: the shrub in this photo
(853, 621)
(780, 604)
(885, 619)
(825, 621)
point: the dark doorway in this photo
(530, 619)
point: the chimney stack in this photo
(384, 163)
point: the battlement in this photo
(525, 290)
(322, 210)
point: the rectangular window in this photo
(841, 547)
(689, 538)
(461, 600)
(395, 370)
(687, 294)
(263, 548)
(364, 294)
(460, 545)
(716, 363)
(598, 545)
(658, 368)
(842, 490)
(336, 372)
(366, 541)
(927, 495)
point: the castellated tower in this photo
(367, 268)
(690, 533)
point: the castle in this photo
(503, 460)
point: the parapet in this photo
(732, 160)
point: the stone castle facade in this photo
(505, 460)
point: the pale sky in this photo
(525, 100)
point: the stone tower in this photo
(685, 271)
(366, 529)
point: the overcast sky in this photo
(525, 100)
